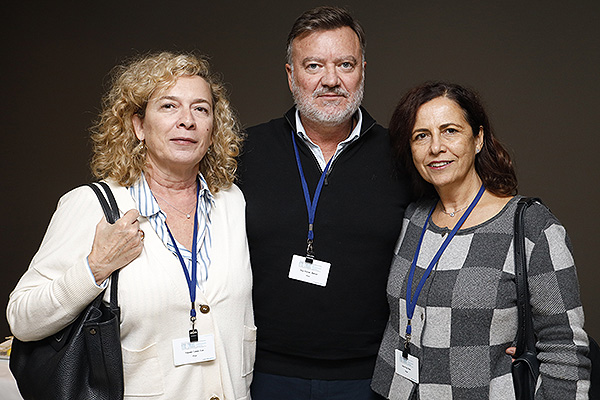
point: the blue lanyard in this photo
(411, 302)
(193, 280)
(311, 206)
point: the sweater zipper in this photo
(326, 181)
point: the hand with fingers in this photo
(511, 352)
(115, 245)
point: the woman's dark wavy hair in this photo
(492, 163)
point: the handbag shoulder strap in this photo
(525, 334)
(110, 208)
(111, 212)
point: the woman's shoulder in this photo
(419, 207)
(82, 200)
(231, 195)
(229, 205)
(85, 193)
(538, 218)
(77, 195)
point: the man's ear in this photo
(288, 70)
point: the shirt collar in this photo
(147, 205)
(355, 134)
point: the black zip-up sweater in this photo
(305, 330)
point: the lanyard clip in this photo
(193, 331)
(406, 350)
(310, 254)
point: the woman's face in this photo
(177, 126)
(443, 146)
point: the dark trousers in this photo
(277, 387)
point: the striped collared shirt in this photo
(149, 208)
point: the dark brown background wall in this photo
(536, 64)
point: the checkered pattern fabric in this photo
(466, 315)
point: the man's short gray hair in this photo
(324, 18)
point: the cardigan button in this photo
(204, 309)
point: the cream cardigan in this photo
(153, 296)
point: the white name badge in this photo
(316, 272)
(186, 352)
(407, 367)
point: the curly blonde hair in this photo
(117, 152)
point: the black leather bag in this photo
(526, 367)
(83, 361)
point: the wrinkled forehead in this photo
(341, 40)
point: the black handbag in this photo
(83, 361)
(526, 366)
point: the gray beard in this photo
(324, 116)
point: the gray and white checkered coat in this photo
(466, 315)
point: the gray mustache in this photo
(335, 90)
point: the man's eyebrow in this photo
(311, 59)
(349, 57)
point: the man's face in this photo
(327, 75)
